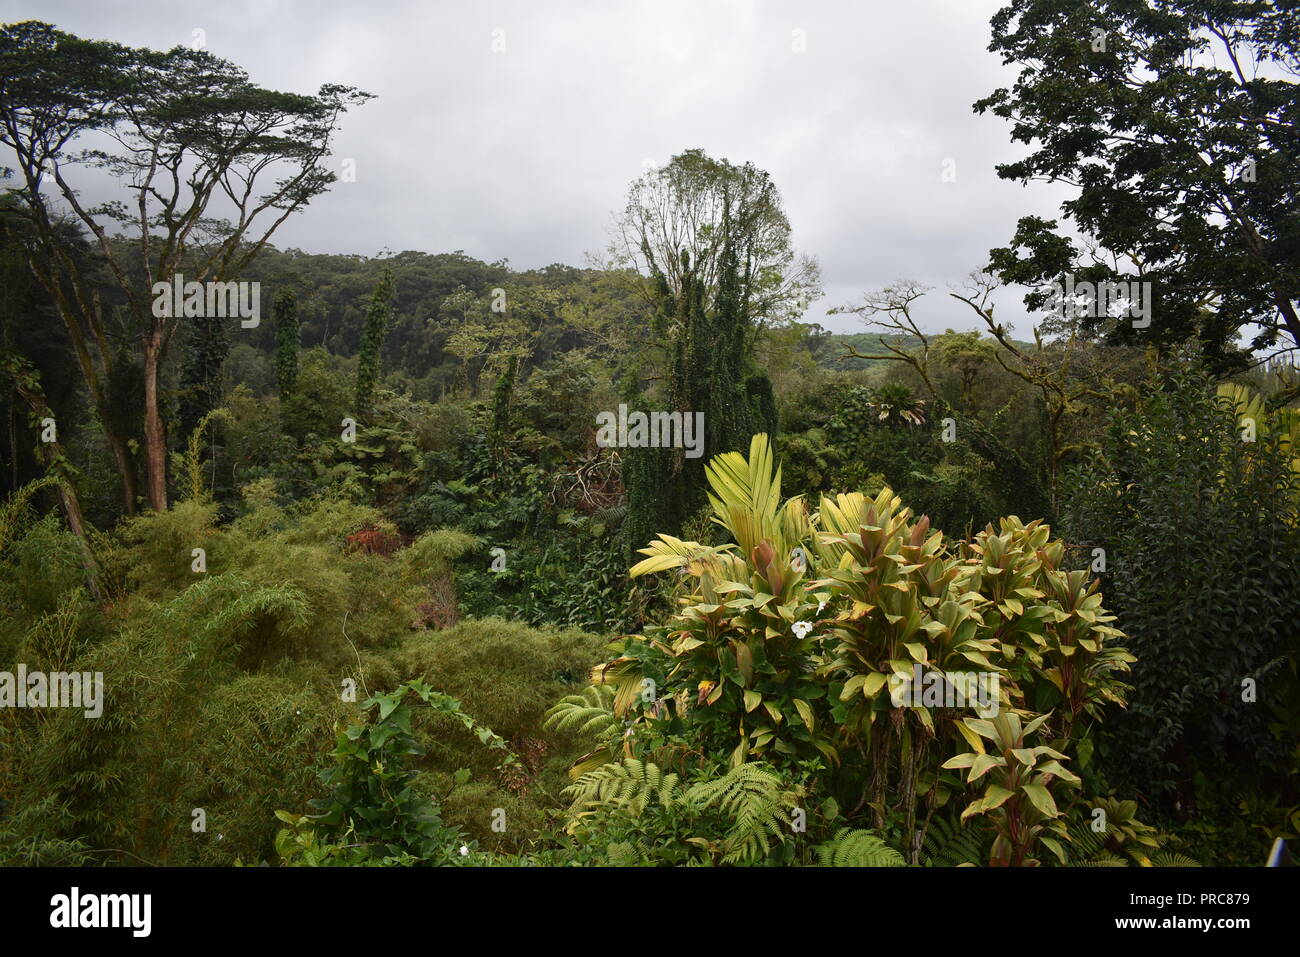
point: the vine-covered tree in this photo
(711, 242)
(680, 220)
(206, 347)
(372, 341)
(287, 336)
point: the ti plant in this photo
(1018, 782)
(816, 640)
(1048, 623)
(744, 638)
(903, 607)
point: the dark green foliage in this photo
(1009, 479)
(372, 813)
(501, 395)
(372, 341)
(287, 335)
(206, 346)
(762, 404)
(886, 436)
(1149, 113)
(1200, 531)
(321, 398)
(654, 499)
(949, 843)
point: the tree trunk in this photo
(117, 447)
(155, 437)
(52, 457)
(1289, 317)
(96, 369)
(77, 523)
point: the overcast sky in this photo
(525, 154)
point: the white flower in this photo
(464, 851)
(801, 629)
(820, 605)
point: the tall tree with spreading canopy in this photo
(680, 220)
(213, 162)
(1179, 123)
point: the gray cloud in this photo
(525, 154)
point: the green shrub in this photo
(1200, 532)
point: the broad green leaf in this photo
(917, 650)
(873, 683)
(983, 763)
(1054, 767)
(996, 796)
(973, 739)
(1041, 798)
(805, 712)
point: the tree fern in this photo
(951, 844)
(852, 847)
(631, 785)
(1173, 859)
(748, 805)
(753, 799)
(590, 713)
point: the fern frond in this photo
(854, 847)
(590, 713)
(1088, 843)
(753, 798)
(948, 843)
(1104, 859)
(1173, 859)
(630, 785)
